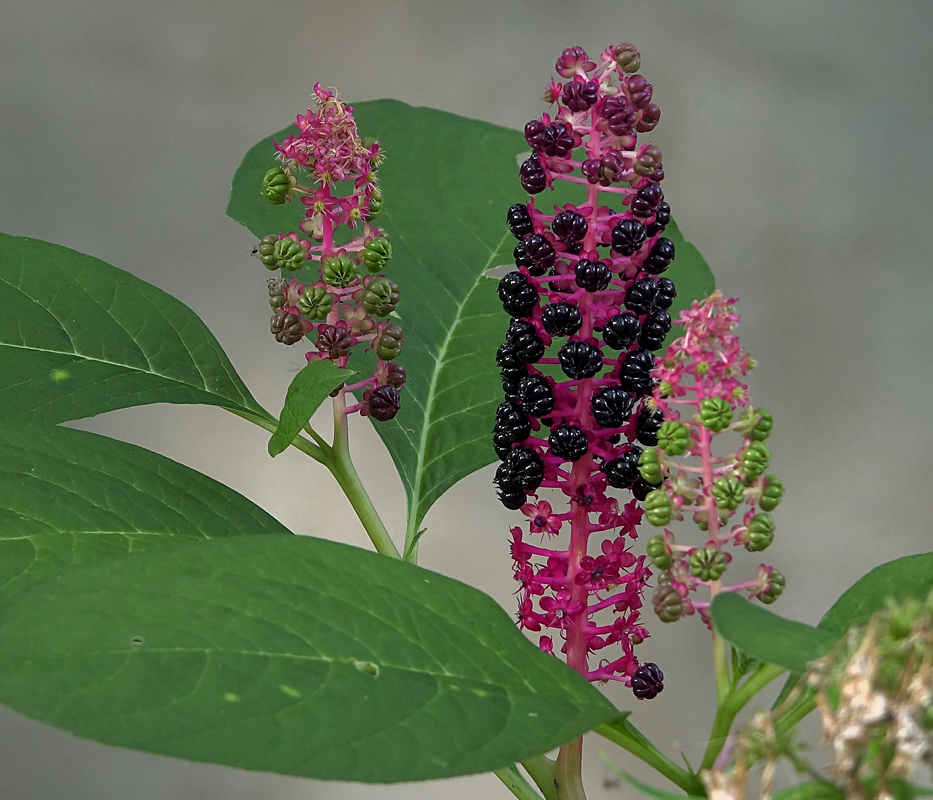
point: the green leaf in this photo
(69, 497)
(448, 182)
(307, 391)
(288, 654)
(766, 636)
(79, 337)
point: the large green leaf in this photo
(79, 337)
(289, 654)
(69, 497)
(448, 182)
(766, 636)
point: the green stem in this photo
(796, 713)
(515, 782)
(813, 790)
(543, 773)
(627, 736)
(306, 447)
(569, 771)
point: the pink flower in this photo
(542, 520)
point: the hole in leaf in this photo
(137, 640)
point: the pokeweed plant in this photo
(145, 605)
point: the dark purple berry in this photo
(519, 327)
(579, 95)
(561, 319)
(526, 468)
(556, 139)
(540, 252)
(622, 471)
(642, 296)
(639, 90)
(628, 236)
(635, 371)
(592, 169)
(620, 115)
(520, 257)
(594, 276)
(514, 426)
(502, 444)
(666, 293)
(518, 296)
(384, 403)
(507, 358)
(648, 425)
(650, 117)
(510, 495)
(646, 200)
(569, 226)
(536, 395)
(533, 131)
(580, 360)
(519, 221)
(611, 406)
(647, 682)
(662, 254)
(655, 330)
(510, 379)
(663, 215)
(621, 331)
(641, 488)
(568, 442)
(532, 175)
(529, 347)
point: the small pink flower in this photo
(542, 520)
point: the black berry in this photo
(532, 175)
(539, 251)
(556, 139)
(622, 472)
(514, 427)
(641, 488)
(518, 296)
(635, 371)
(666, 293)
(621, 331)
(580, 360)
(655, 329)
(642, 296)
(561, 319)
(510, 495)
(533, 132)
(536, 395)
(519, 221)
(528, 347)
(628, 236)
(594, 276)
(662, 216)
(646, 200)
(526, 468)
(662, 254)
(520, 257)
(507, 358)
(568, 442)
(569, 226)
(647, 682)
(611, 406)
(648, 425)
(384, 403)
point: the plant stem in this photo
(543, 773)
(570, 770)
(306, 447)
(515, 782)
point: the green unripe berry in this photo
(762, 429)
(668, 604)
(339, 271)
(289, 254)
(649, 467)
(278, 186)
(728, 493)
(316, 302)
(674, 438)
(658, 553)
(658, 507)
(389, 343)
(756, 459)
(759, 532)
(773, 590)
(376, 254)
(378, 296)
(266, 251)
(771, 494)
(708, 563)
(375, 203)
(715, 414)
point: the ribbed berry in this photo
(510, 379)
(568, 442)
(641, 488)
(594, 276)
(627, 236)
(569, 226)
(526, 343)
(611, 406)
(646, 200)
(526, 468)
(537, 395)
(521, 257)
(579, 96)
(642, 296)
(663, 215)
(622, 471)
(638, 90)
(661, 256)
(502, 444)
(556, 139)
(648, 425)
(561, 319)
(384, 403)
(532, 175)
(510, 495)
(515, 425)
(519, 221)
(655, 329)
(666, 293)
(517, 295)
(647, 682)
(540, 251)
(620, 115)
(635, 371)
(648, 121)
(580, 360)
(507, 358)
(533, 131)
(621, 331)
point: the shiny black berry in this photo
(662, 216)
(580, 360)
(556, 139)
(648, 425)
(635, 371)
(520, 257)
(502, 444)
(533, 132)
(621, 331)
(525, 468)
(641, 488)
(518, 296)
(666, 293)
(662, 254)
(510, 379)
(536, 395)
(628, 236)
(510, 495)
(532, 175)
(568, 442)
(647, 682)
(654, 330)
(507, 358)
(528, 347)
(622, 472)
(540, 253)
(519, 221)
(594, 276)
(514, 426)
(642, 296)
(561, 319)
(569, 226)
(611, 406)
(646, 200)
(518, 328)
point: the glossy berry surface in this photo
(648, 425)
(628, 236)
(642, 296)
(528, 347)
(384, 403)
(635, 371)
(646, 200)
(647, 682)
(569, 226)
(519, 221)
(536, 395)
(580, 360)
(621, 331)
(525, 467)
(666, 293)
(532, 176)
(622, 471)
(662, 254)
(517, 295)
(540, 252)
(654, 329)
(611, 406)
(561, 319)
(594, 276)
(579, 95)
(568, 442)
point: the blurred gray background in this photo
(797, 146)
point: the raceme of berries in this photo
(699, 396)
(348, 300)
(588, 305)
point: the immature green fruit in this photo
(375, 203)
(708, 563)
(674, 438)
(755, 459)
(771, 494)
(339, 271)
(658, 507)
(390, 341)
(658, 553)
(379, 296)
(277, 289)
(316, 302)
(762, 429)
(376, 254)
(715, 414)
(727, 492)
(289, 255)
(668, 604)
(649, 467)
(773, 590)
(760, 532)
(278, 186)
(266, 251)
